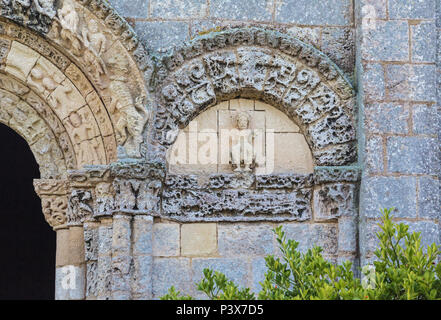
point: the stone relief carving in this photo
(236, 205)
(334, 200)
(53, 194)
(132, 116)
(294, 78)
(94, 39)
(285, 73)
(104, 199)
(54, 210)
(21, 117)
(35, 14)
(86, 30)
(242, 153)
(80, 207)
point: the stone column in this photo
(142, 257)
(137, 187)
(90, 201)
(79, 211)
(121, 256)
(54, 200)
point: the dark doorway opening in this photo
(27, 242)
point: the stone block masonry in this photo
(398, 64)
(327, 25)
(342, 96)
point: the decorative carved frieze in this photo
(236, 205)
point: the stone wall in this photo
(182, 250)
(163, 24)
(350, 86)
(398, 78)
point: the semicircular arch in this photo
(264, 65)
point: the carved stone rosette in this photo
(54, 200)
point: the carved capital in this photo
(137, 196)
(80, 207)
(104, 202)
(53, 194)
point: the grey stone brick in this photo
(368, 237)
(132, 8)
(160, 36)
(347, 234)
(169, 272)
(411, 82)
(413, 155)
(438, 14)
(386, 118)
(429, 198)
(338, 44)
(142, 284)
(373, 81)
(143, 235)
(369, 241)
(424, 42)
(387, 192)
(258, 10)
(245, 239)
(169, 9)
(258, 270)
(166, 237)
(319, 12)
(425, 119)
(234, 269)
(412, 9)
(388, 41)
(309, 235)
(373, 9)
(429, 231)
(121, 234)
(374, 154)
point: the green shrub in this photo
(403, 270)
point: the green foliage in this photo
(217, 287)
(175, 295)
(403, 270)
(306, 276)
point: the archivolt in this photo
(260, 64)
(92, 57)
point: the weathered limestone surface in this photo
(311, 147)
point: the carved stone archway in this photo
(265, 65)
(64, 87)
(283, 72)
